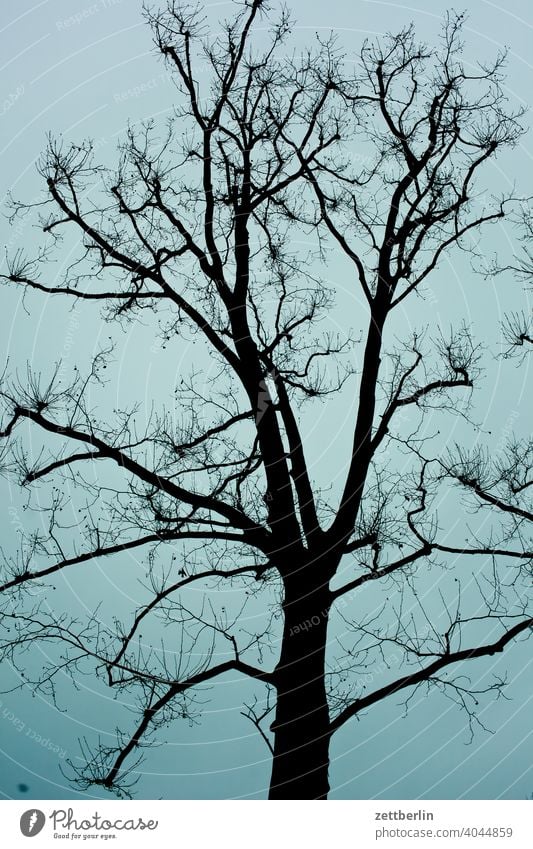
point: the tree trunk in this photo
(301, 726)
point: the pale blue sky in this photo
(86, 69)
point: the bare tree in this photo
(195, 230)
(518, 325)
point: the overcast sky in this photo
(85, 69)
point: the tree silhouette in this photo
(199, 230)
(518, 325)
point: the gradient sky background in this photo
(80, 79)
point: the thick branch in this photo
(427, 672)
(235, 516)
(151, 712)
(117, 549)
(375, 574)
